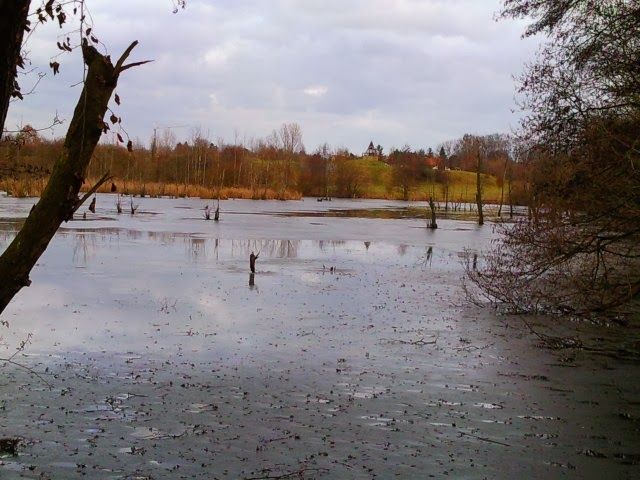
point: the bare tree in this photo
(479, 160)
(290, 138)
(579, 250)
(60, 198)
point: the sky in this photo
(395, 72)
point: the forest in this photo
(276, 167)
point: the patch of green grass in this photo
(462, 184)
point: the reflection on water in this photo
(196, 248)
(83, 248)
(270, 248)
(458, 211)
(262, 227)
(91, 250)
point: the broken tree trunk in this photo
(432, 206)
(60, 197)
(13, 21)
(252, 262)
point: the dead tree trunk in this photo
(479, 190)
(504, 178)
(446, 191)
(252, 262)
(13, 21)
(60, 197)
(432, 206)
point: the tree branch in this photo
(134, 64)
(105, 178)
(125, 55)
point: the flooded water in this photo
(351, 353)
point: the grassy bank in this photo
(377, 182)
(26, 187)
(154, 189)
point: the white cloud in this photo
(316, 91)
(220, 55)
(397, 71)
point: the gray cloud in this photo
(395, 71)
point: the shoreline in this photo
(31, 188)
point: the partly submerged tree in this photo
(578, 251)
(60, 199)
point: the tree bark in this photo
(432, 206)
(60, 197)
(479, 190)
(504, 178)
(13, 20)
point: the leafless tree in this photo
(578, 251)
(60, 198)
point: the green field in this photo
(462, 185)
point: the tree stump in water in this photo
(252, 261)
(433, 225)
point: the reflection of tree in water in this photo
(196, 248)
(83, 248)
(428, 257)
(270, 248)
(168, 238)
(6, 237)
(252, 282)
(323, 244)
(8, 230)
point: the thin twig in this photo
(484, 439)
(297, 473)
(29, 369)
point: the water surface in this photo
(351, 353)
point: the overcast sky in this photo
(397, 72)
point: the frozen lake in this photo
(351, 353)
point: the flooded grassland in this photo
(351, 353)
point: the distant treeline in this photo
(275, 167)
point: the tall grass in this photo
(28, 187)
(461, 189)
(23, 187)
